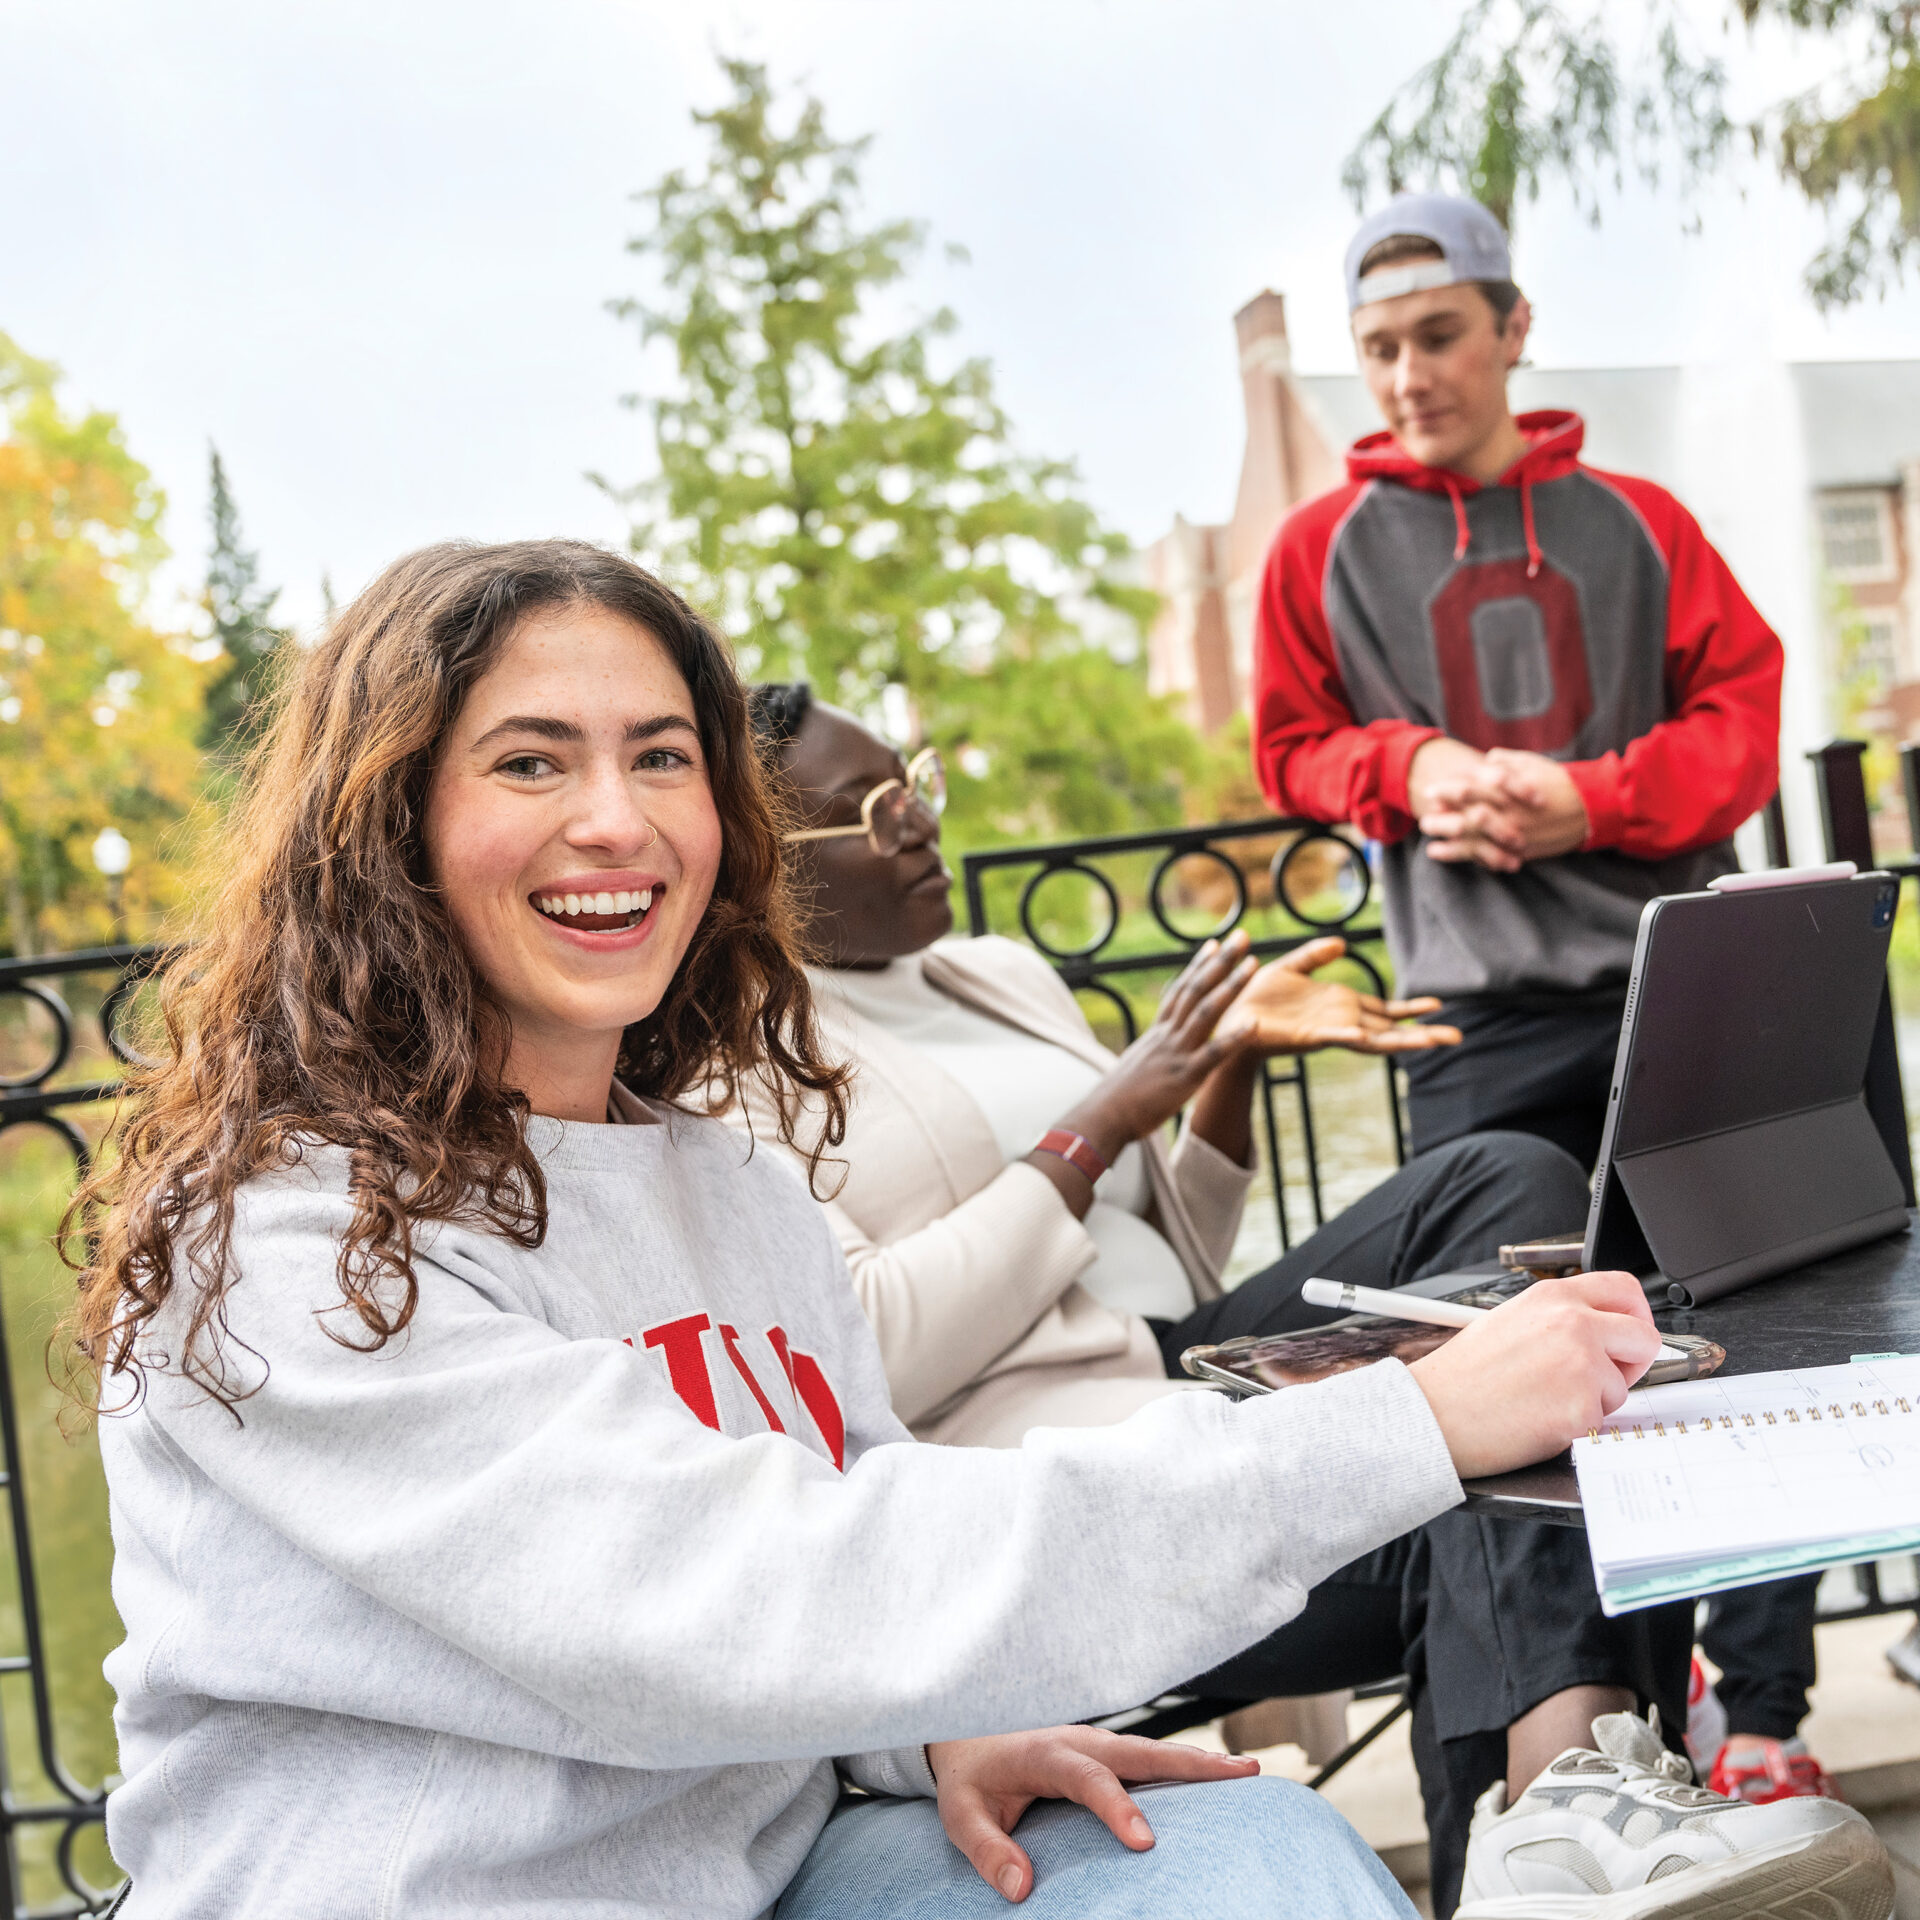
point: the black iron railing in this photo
(1846, 823)
(1319, 880)
(39, 1098)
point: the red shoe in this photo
(1760, 1771)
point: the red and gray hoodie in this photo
(1575, 613)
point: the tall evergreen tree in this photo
(242, 614)
(848, 500)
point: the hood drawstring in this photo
(1460, 533)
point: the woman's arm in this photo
(499, 1532)
(1222, 1111)
(520, 1537)
(1160, 1072)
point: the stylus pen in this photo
(1347, 1298)
(1391, 1306)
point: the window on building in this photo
(1856, 536)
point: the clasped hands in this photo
(1497, 809)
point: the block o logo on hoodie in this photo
(1512, 656)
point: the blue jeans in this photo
(1259, 1849)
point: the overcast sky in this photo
(366, 248)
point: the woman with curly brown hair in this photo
(509, 1516)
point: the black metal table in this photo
(1819, 1315)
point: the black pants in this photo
(1761, 1639)
(1543, 1064)
(1538, 1064)
(1486, 1618)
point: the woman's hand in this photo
(1539, 1370)
(1283, 1010)
(986, 1785)
(1162, 1070)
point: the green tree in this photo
(848, 501)
(242, 614)
(99, 711)
(1525, 91)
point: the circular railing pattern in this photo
(114, 1007)
(1102, 886)
(36, 995)
(1354, 887)
(1321, 883)
(1119, 1002)
(1156, 901)
(93, 1900)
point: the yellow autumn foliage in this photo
(100, 712)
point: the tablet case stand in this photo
(1739, 1142)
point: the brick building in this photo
(1756, 449)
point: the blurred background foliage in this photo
(1528, 90)
(100, 711)
(239, 614)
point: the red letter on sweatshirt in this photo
(810, 1388)
(1536, 656)
(686, 1359)
(739, 1360)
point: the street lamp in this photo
(113, 855)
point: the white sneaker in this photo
(1622, 1834)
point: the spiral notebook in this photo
(1709, 1484)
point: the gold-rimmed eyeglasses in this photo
(889, 807)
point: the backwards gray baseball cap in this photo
(1468, 236)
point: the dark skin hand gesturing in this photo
(1221, 1017)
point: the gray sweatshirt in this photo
(558, 1604)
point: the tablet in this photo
(1263, 1363)
(1738, 1141)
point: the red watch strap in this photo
(1072, 1149)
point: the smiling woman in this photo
(547, 711)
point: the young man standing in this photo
(1535, 684)
(1545, 695)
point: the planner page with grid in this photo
(1708, 1484)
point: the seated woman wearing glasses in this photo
(508, 1514)
(1030, 1249)
(1033, 1254)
